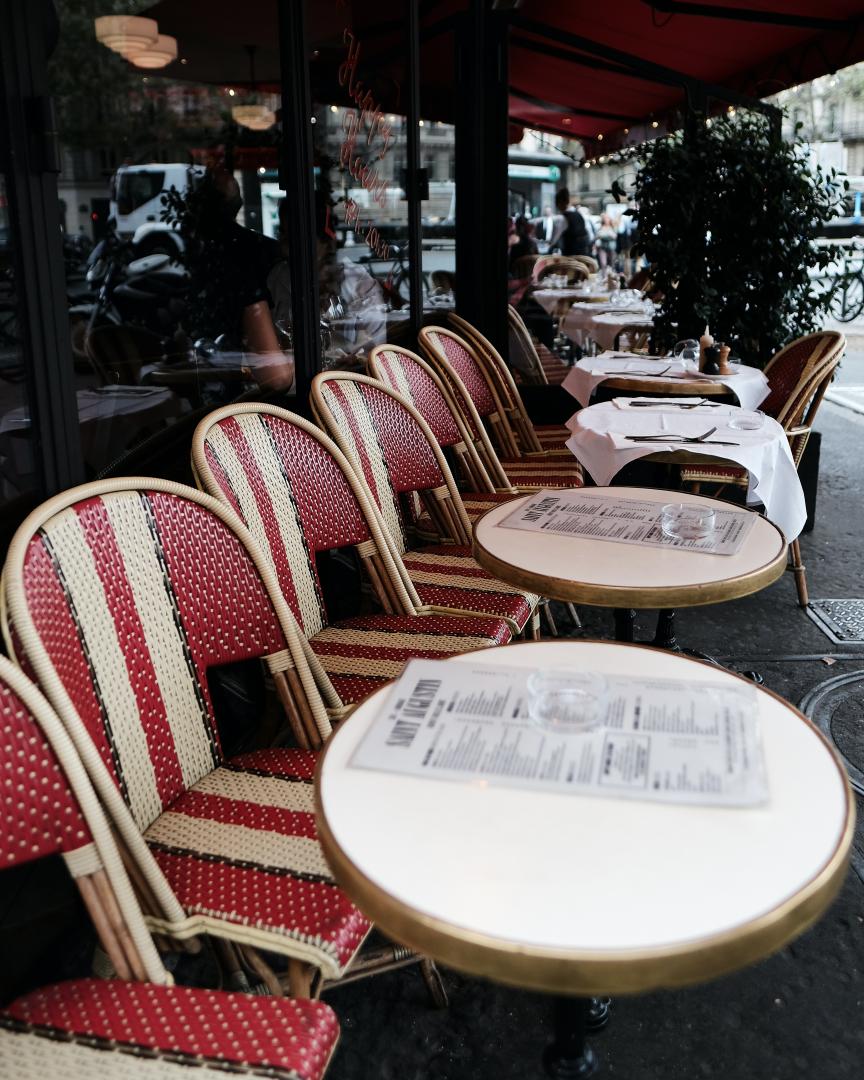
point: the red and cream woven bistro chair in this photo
(574, 270)
(798, 376)
(119, 597)
(298, 495)
(459, 367)
(533, 440)
(137, 1025)
(394, 453)
(414, 380)
(532, 363)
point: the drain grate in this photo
(840, 620)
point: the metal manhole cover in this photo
(836, 707)
(840, 620)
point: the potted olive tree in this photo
(727, 218)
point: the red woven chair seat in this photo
(529, 473)
(90, 1028)
(714, 474)
(476, 504)
(553, 436)
(240, 848)
(446, 575)
(360, 654)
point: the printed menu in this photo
(623, 521)
(661, 740)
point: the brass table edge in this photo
(586, 972)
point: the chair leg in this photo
(799, 570)
(300, 979)
(574, 615)
(534, 632)
(434, 983)
(550, 620)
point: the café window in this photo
(172, 237)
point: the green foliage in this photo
(727, 220)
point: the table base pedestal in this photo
(568, 1057)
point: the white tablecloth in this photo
(112, 418)
(580, 321)
(599, 444)
(748, 384)
(558, 301)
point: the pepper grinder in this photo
(725, 368)
(704, 342)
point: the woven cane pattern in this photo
(476, 504)
(103, 648)
(241, 847)
(96, 1029)
(528, 473)
(360, 653)
(244, 451)
(399, 370)
(447, 576)
(785, 371)
(466, 367)
(360, 443)
(38, 813)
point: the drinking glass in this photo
(687, 350)
(686, 521)
(567, 702)
(747, 421)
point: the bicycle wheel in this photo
(847, 298)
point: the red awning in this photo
(576, 68)
(595, 69)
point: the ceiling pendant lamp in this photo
(158, 55)
(126, 34)
(256, 117)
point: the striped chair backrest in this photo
(132, 594)
(289, 492)
(408, 375)
(445, 349)
(39, 815)
(787, 368)
(377, 432)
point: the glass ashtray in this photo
(686, 521)
(747, 421)
(567, 702)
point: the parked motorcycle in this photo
(147, 292)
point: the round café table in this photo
(521, 886)
(628, 577)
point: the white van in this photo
(136, 204)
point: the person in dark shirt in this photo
(572, 235)
(229, 266)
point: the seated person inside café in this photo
(353, 308)
(229, 265)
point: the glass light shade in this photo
(126, 34)
(158, 55)
(255, 117)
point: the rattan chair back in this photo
(516, 427)
(120, 596)
(48, 807)
(419, 384)
(523, 354)
(461, 369)
(297, 494)
(393, 451)
(569, 265)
